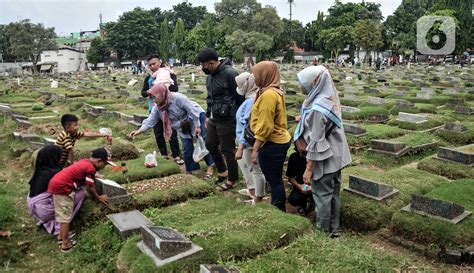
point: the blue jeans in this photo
(188, 148)
(271, 158)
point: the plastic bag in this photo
(200, 150)
(150, 160)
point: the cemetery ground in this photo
(410, 133)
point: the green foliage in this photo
(226, 229)
(191, 16)
(193, 43)
(138, 28)
(447, 169)
(431, 123)
(7, 210)
(250, 42)
(365, 111)
(165, 42)
(37, 107)
(97, 52)
(367, 34)
(179, 34)
(438, 232)
(457, 138)
(293, 31)
(336, 39)
(375, 131)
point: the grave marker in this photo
(349, 109)
(436, 208)
(217, 268)
(454, 155)
(455, 127)
(411, 118)
(405, 104)
(377, 118)
(116, 193)
(375, 100)
(389, 147)
(129, 222)
(370, 189)
(354, 129)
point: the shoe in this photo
(250, 202)
(335, 235)
(301, 211)
(226, 186)
(69, 247)
(178, 160)
(244, 192)
(70, 235)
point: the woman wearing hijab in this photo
(327, 149)
(269, 125)
(40, 202)
(178, 112)
(252, 173)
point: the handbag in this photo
(249, 136)
(301, 145)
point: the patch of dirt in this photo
(161, 184)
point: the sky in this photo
(68, 16)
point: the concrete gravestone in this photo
(165, 245)
(370, 189)
(458, 156)
(455, 127)
(353, 129)
(116, 193)
(127, 223)
(435, 208)
(217, 268)
(389, 147)
(411, 118)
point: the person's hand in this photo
(207, 122)
(238, 154)
(308, 174)
(254, 157)
(303, 190)
(197, 131)
(103, 199)
(98, 175)
(133, 134)
(297, 118)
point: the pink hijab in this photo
(162, 98)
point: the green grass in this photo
(416, 139)
(193, 187)
(227, 231)
(447, 169)
(137, 171)
(365, 111)
(438, 232)
(395, 110)
(458, 138)
(318, 253)
(430, 123)
(364, 214)
(374, 131)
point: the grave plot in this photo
(373, 131)
(120, 149)
(435, 232)
(307, 252)
(371, 114)
(457, 133)
(408, 144)
(225, 229)
(365, 214)
(451, 163)
(416, 122)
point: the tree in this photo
(97, 52)
(164, 40)
(191, 16)
(312, 31)
(293, 31)
(250, 42)
(134, 35)
(368, 35)
(179, 34)
(28, 40)
(236, 14)
(193, 43)
(336, 39)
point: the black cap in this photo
(103, 154)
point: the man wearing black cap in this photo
(65, 183)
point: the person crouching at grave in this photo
(327, 151)
(253, 175)
(64, 187)
(67, 138)
(300, 196)
(40, 201)
(269, 126)
(164, 75)
(178, 112)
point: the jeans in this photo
(253, 174)
(160, 140)
(188, 148)
(271, 158)
(328, 206)
(220, 141)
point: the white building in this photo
(67, 59)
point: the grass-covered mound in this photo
(168, 190)
(374, 131)
(438, 232)
(318, 253)
(365, 112)
(364, 214)
(457, 138)
(445, 168)
(226, 229)
(120, 149)
(137, 171)
(429, 124)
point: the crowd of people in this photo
(248, 109)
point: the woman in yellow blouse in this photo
(269, 125)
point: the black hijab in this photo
(47, 165)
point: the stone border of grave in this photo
(468, 156)
(138, 221)
(354, 129)
(433, 144)
(405, 149)
(217, 268)
(392, 191)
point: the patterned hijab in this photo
(267, 75)
(162, 98)
(322, 96)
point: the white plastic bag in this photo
(150, 160)
(200, 150)
(54, 84)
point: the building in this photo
(79, 40)
(66, 59)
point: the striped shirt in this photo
(67, 141)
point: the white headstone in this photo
(54, 84)
(192, 77)
(132, 82)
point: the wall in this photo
(67, 60)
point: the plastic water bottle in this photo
(306, 187)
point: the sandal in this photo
(208, 176)
(165, 157)
(250, 202)
(221, 179)
(70, 235)
(178, 160)
(226, 186)
(69, 247)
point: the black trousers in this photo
(220, 140)
(160, 140)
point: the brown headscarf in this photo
(267, 75)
